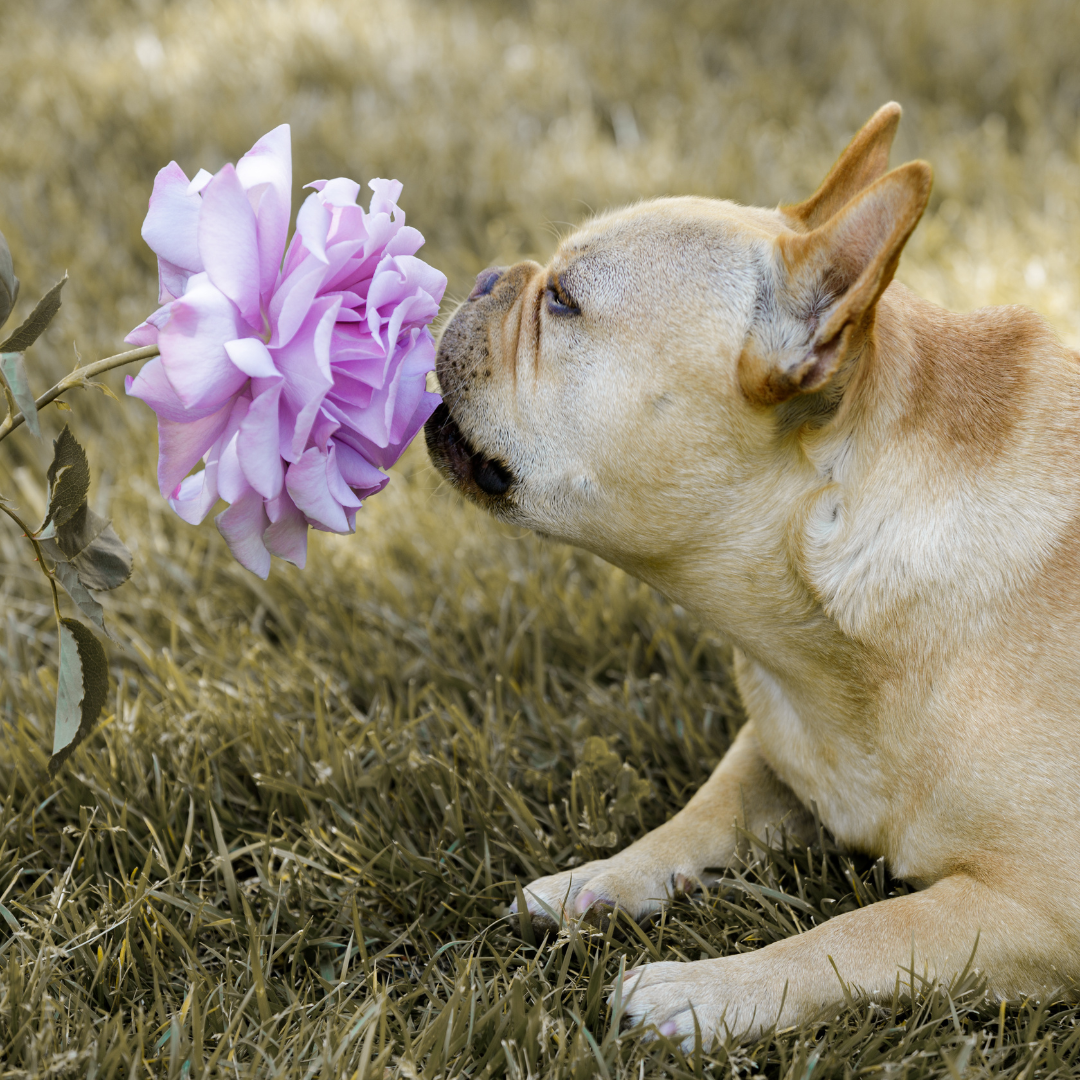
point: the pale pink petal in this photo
(172, 280)
(400, 276)
(385, 197)
(340, 191)
(258, 445)
(231, 481)
(228, 242)
(192, 346)
(305, 364)
(307, 485)
(313, 224)
(325, 425)
(243, 525)
(182, 445)
(427, 404)
(197, 493)
(406, 242)
(288, 532)
(172, 222)
(144, 334)
(292, 301)
(152, 386)
(357, 471)
(199, 181)
(267, 166)
(339, 489)
(252, 357)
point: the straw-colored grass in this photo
(290, 845)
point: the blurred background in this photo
(508, 121)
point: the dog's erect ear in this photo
(832, 278)
(865, 159)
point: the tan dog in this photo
(877, 501)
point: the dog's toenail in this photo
(586, 900)
(669, 1028)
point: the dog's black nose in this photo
(485, 281)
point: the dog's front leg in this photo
(742, 791)
(1019, 948)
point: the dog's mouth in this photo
(477, 475)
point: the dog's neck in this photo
(906, 521)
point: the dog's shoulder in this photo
(975, 380)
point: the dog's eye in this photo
(558, 300)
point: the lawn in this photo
(290, 844)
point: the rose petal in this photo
(408, 241)
(385, 197)
(258, 444)
(341, 191)
(152, 386)
(268, 167)
(172, 222)
(288, 531)
(252, 357)
(144, 334)
(292, 301)
(231, 481)
(357, 472)
(313, 224)
(192, 345)
(243, 525)
(199, 181)
(335, 482)
(181, 445)
(305, 365)
(307, 484)
(228, 242)
(198, 493)
(172, 280)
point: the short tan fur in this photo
(878, 503)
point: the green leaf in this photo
(79, 531)
(36, 321)
(82, 688)
(69, 578)
(69, 479)
(105, 563)
(15, 374)
(9, 283)
(89, 543)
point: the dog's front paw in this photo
(728, 996)
(635, 885)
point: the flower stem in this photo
(80, 377)
(28, 533)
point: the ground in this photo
(290, 844)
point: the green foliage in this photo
(9, 283)
(14, 371)
(289, 845)
(34, 325)
(82, 687)
(68, 576)
(69, 480)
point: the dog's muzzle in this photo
(472, 472)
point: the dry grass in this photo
(289, 848)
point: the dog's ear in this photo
(865, 159)
(831, 279)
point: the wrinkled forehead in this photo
(683, 243)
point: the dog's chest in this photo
(848, 783)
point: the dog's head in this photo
(622, 396)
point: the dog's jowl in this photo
(877, 502)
